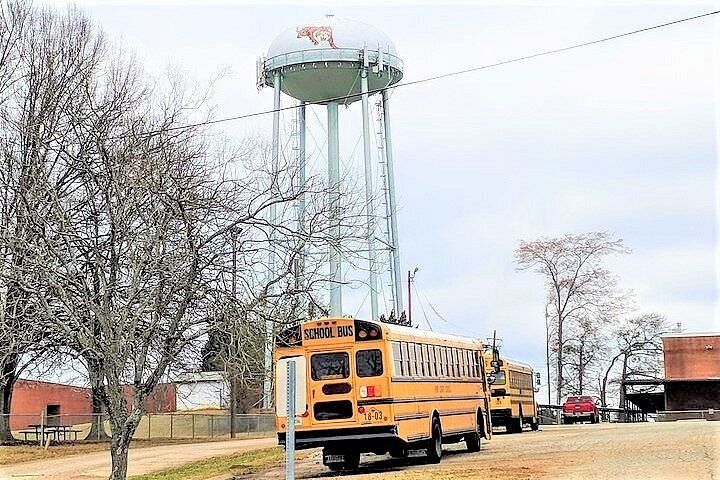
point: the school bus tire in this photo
(434, 445)
(535, 424)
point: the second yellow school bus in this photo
(375, 387)
(513, 396)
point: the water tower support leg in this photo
(393, 208)
(301, 199)
(274, 189)
(334, 207)
(369, 206)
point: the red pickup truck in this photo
(580, 409)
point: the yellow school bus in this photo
(375, 387)
(513, 396)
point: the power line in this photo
(449, 74)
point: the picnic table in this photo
(56, 431)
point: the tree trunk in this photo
(622, 390)
(581, 367)
(233, 402)
(97, 429)
(119, 455)
(560, 384)
(6, 388)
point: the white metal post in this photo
(274, 188)
(393, 207)
(290, 422)
(334, 207)
(369, 205)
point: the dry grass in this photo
(237, 464)
(26, 453)
(21, 453)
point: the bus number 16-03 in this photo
(373, 415)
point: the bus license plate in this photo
(372, 415)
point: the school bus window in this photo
(397, 359)
(439, 359)
(330, 366)
(456, 362)
(499, 378)
(461, 361)
(466, 363)
(413, 359)
(419, 361)
(405, 358)
(368, 363)
(431, 360)
(426, 360)
(446, 362)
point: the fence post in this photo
(193, 425)
(42, 427)
(148, 415)
(171, 426)
(212, 426)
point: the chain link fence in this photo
(552, 415)
(168, 426)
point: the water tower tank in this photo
(321, 60)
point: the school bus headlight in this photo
(362, 334)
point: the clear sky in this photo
(620, 136)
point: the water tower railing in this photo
(327, 55)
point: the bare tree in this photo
(39, 76)
(579, 287)
(638, 352)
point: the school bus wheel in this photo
(472, 440)
(434, 448)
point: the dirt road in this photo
(642, 451)
(96, 465)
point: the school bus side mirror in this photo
(491, 379)
(496, 363)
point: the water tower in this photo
(332, 62)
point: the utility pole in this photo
(233, 340)
(411, 277)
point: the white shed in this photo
(202, 391)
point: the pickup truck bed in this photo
(580, 409)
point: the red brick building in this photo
(692, 371)
(33, 400)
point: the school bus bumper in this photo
(381, 437)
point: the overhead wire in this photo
(422, 308)
(391, 88)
